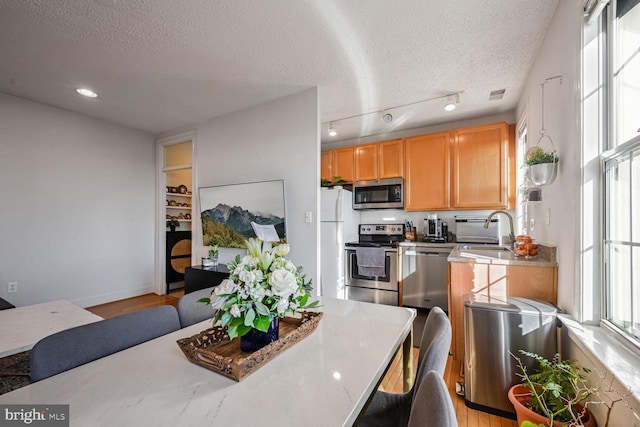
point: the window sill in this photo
(618, 358)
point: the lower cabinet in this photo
(493, 280)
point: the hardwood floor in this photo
(392, 382)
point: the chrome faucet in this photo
(512, 237)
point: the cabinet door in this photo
(391, 159)
(479, 167)
(343, 163)
(326, 165)
(426, 185)
(365, 159)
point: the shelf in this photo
(176, 168)
(188, 208)
(179, 195)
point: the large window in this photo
(622, 170)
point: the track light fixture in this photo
(332, 131)
(452, 101)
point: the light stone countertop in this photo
(323, 380)
(497, 255)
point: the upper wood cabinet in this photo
(326, 165)
(427, 172)
(379, 160)
(343, 163)
(365, 158)
(391, 159)
(480, 157)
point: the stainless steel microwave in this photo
(379, 194)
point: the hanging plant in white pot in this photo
(543, 165)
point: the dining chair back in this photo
(393, 409)
(432, 404)
(434, 345)
(83, 344)
(190, 311)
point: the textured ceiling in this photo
(163, 65)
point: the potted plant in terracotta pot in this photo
(555, 395)
(543, 166)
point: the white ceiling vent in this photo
(494, 95)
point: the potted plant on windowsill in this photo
(543, 166)
(553, 396)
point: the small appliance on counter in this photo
(434, 230)
(471, 229)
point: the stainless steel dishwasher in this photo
(424, 275)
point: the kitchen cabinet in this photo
(391, 159)
(343, 163)
(427, 172)
(479, 174)
(379, 160)
(365, 159)
(326, 165)
(494, 280)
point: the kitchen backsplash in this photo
(399, 216)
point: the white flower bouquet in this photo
(261, 286)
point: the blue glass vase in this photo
(254, 339)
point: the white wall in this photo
(76, 206)
(276, 140)
(559, 54)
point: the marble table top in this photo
(22, 327)
(323, 380)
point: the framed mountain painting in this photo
(227, 211)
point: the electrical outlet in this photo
(308, 216)
(13, 287)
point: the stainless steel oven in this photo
(380, 288)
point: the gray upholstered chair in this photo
(393, 409)
(432, 405)
(83, 344)
(191, 311)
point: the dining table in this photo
(325, 379)
(22, 327)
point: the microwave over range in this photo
(379, 194)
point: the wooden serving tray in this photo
(213, 349)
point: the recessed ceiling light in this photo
(86, 92)
(387, 118)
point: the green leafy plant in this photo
(537, 155)
(337, 180)
(261, 286)
(530, 424)
(557, 388)
(213, 251)
(173, 222)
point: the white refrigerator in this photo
(338, 225)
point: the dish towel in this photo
(371, 262)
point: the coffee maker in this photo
(433, 229)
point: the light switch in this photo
(308, 217)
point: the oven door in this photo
(387, 282)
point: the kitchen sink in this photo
(485, 251)
(483, 248)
